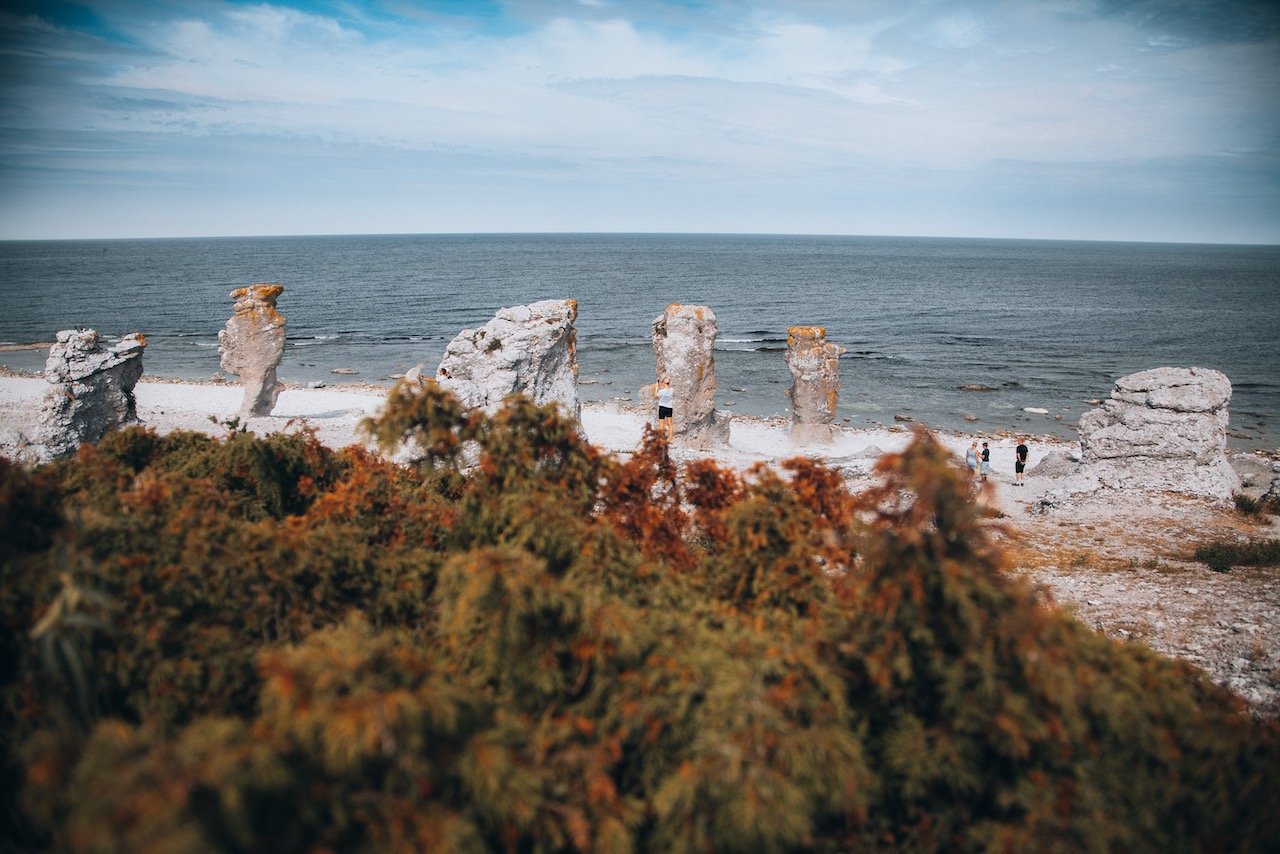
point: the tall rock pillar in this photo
(90, 390)
(252, 345)
(815, 371)
(684, 340)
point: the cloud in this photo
(1179, 23)
(957, 32)
(816, 97)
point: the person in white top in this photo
(666, 402)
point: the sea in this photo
(962, 335)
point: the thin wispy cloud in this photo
(881, 117)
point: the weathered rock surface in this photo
(815, 372)
(1054, 464)
(531, 349)
(90, 390)
(684, 340)
(252, 345)
(1163, 429)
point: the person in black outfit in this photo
(1019, 462)
(986, 461)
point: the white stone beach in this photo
(336, 412)
(1121, 558)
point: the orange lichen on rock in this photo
(798, 333)
(252, 345)
(815, 369)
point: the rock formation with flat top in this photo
(815, 372)
(252, 345)
(90, 390)
(684, 340)
(1162, 429)
(531, 349)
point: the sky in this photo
(1062, 119)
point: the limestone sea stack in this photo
(252, 345)
(90, 390)
(815, 372)
(531, 349)
(684, 340)
(1162, 429)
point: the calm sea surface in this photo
(1042, 323)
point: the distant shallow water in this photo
(962, 335)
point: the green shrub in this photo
(1247, 505)
(1222, 555)
(1254, 507)
(515, 642)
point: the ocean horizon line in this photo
(639, 234)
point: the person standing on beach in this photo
(986, 461)
(666, 404)
(1019, 462)
(971, 459)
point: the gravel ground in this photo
(1125, 566)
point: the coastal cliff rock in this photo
(1163, 429)
(252, 345)
(90, 390)
(815, 372)
(531, 349)
(684, 340)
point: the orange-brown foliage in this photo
(514, 642)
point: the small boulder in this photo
(1054, 464)
(1255, 472)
